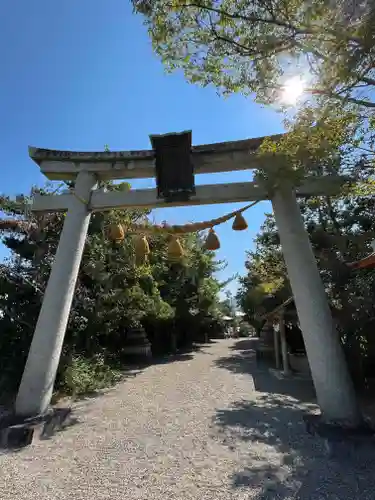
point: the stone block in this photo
(16, 436)
(18, 432)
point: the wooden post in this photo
(284, 346)
(276, 341)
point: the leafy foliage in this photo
(253, 45)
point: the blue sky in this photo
(78, 75)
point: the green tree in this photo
(253, 46)
(226, 307)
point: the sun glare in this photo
(292, 90)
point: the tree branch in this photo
(303, 30)
(333, 95)
(368, 81)
(275, 49)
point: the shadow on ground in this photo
(280, 460)
(243, 361)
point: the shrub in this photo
(84, 376)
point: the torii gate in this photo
(331, 379)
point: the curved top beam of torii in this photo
(207, 158)
(138, 164)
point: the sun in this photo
(292, 90)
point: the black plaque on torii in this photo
(173, 166)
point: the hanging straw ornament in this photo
(175, 250)
(142, 250)
(239, 223)
(212, 241)
(116, 233)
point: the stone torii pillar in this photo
(38, 379)
(333, 385)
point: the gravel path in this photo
(209, 426)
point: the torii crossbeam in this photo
(328, 368)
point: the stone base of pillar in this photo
(16, 436)
(340, 437)
(18, 432)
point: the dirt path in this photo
(209, 426)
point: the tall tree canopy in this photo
(254, 45)
(260, 47)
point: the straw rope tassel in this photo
(142, 250)
(212, 241)
(116, 233)
(239, 223)
(175, 250)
